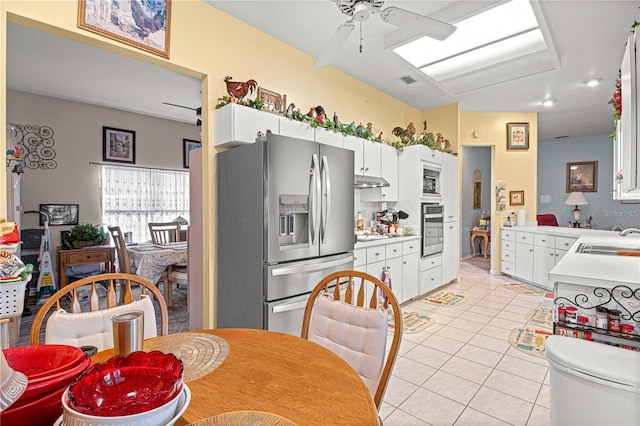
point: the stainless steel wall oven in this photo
(432, 228)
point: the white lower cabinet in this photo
(450, 252)
(524, 255)
(400, 258)
(430, 273)
(548, 250)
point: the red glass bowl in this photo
(39, 361)
(125, 385)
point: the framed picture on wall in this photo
(187, 146)
(582, 176)
(517, 136)
(59, 214)
(118, 145)
(141, 24)
(516, 198)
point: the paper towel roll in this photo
(521, 218)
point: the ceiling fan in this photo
(197, 110)
(361, 10)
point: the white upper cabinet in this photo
(329, 137)
(235, 125)
(366, 155)
(389, 169)
(295, 129)
(626, 158)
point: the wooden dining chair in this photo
(351, 313)
(124, 261)
(79, 320)
(164, 232)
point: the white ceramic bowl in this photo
(166, 414)
(12, 384)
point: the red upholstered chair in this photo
(547, 220)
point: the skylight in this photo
(500, 34)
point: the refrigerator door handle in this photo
(326, 205)
(314, 183)
(286, 307)
(289, 270)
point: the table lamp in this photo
(577, 199)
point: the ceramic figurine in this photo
(311, 112)
(290, 109)
(370, 128)
(239, 90)
(352, 126)
(335, 120)
(360, 129)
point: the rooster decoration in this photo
(238, 89)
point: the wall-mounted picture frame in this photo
(517, 136)
(582, 176)
(118, 145)
(516, 198)
(141, 24)
(59, 214)
(187, 146)
(272, 100)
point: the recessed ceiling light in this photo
(548, 102)
(593, 82)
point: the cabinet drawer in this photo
(565, 243)
(87, 256)
(524, 237)
(508, 256)
(508, 268)
(430, 279)
(393, 250)
(544, 240)
(508, 235)
(430, 262)
(508, 245)
(359, 257)
(410, 247)
(375, 254)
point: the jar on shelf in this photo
(602, 319)
(562, 314)
(627, 329)
(571, 316)
(614, 321)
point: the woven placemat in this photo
(200, 353)
(245, 418)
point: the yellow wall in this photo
(445, 120)
(518, 168)
(208, 44)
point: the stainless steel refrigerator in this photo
(284, 221)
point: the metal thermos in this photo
(128, 332)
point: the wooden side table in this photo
(482, 233)
(85, 256)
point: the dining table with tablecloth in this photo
(151, 260)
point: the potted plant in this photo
(84, 235)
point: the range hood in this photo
(363, 182)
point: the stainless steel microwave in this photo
(430, 181)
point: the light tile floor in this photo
(461, 370)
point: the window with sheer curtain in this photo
(132, 197)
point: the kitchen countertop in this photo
(599, 270)
(559, 230)
(378, 242)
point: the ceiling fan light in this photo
(362, 11)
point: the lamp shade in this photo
(576, 199)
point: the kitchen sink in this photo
(598, 249)
(372, 237)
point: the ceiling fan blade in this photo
(335, 43)
(417, 23)
(181, 106)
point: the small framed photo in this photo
(118, 145)
(187, 146)
(272, 100)
(141, 24)
(517, 136)
(582, 176)
(59, 214)
(516, 198)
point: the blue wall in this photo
(553, 157)
(473, 158)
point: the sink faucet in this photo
(628, 231)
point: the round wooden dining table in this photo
(274, 373)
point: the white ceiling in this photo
(589, 38)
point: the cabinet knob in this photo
(395, 250)
(377, 254)
(530, 250)
(544, 241)
(410, 247)
(551, 254)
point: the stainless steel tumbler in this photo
(128, 332)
